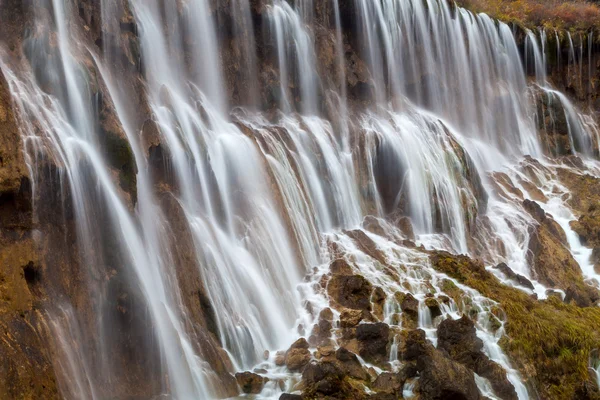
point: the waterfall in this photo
(254, 193)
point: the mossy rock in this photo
(549, 341)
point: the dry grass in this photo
(575, 15)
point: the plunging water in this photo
(263, 192)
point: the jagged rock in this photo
(389, 382)
(458, 338)
(366, 245)
(249, 382)
(409, 305)
(510, 274)
(351, 291)
(350, 318)
(378, 302)
(289, 396)
(340, 267)
(434, 307)
(373, 341)
(439, 377)
(350, 365)
(552, 261)
(588, 226)
(324, 378)
(298, 355)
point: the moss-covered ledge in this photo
(549, 341)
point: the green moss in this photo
(549, 341)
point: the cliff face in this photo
(46, 275)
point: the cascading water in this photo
(264, 193)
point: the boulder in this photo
(513, 276)
(373, 341)
(409, 305)
(249, 382)
(434, 307)
(552, 262)
(439, 376)
(289, 396)
(298, 355)
(351, 291)
(388, 382)
(458, 338)
(350, 318)
(349, 364)
(340, 267)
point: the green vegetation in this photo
(548, 341)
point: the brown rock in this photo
(510, 274)
(351, 291)
(388, 382)
(297, 357)
(439, 377)
(350, 318)
(249, 382)
(340, 267)
(410, 305)
(349, 364)
(459, 340)
(552, 261)
(373, 342)
(434, 307)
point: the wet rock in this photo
(280, 358)
(378, 302)
(289, 396)
(510, 274)
(404, 224)
(349, 364)
(373, 341)
(366, 245)
(458, 338)
(350, 318)
(340, 267)
(409, 305)
(373, 224)
(298, 355)
(322, 378)
(326, 314)
(588, 226)
(388, 382)
(439, 376)
(434, 307)
(552, 261)
(351, 291)
(249, 382)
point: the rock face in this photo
(249, 382)
(439, 377)
(298, 355)
(551, 259)
(373, 342)
(26, 370)
(459, 340)
(517, 278)
(351, 291)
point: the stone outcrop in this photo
(459, 340)
(552, 260)
(439, 376)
